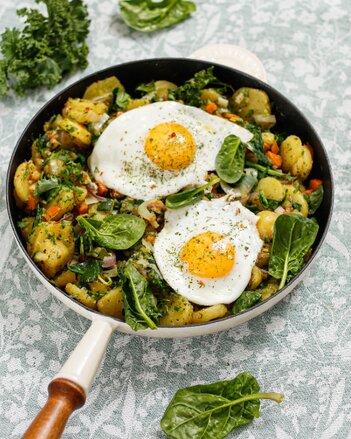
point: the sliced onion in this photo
(109, 261)
(93, 194)
(279, 210)
(144, 212)
(112, 273)
(222, 102)
(147, 245)
(99, 124)
(268, 121)
(67, 216)
(91, 200)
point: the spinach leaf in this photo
(190, 92)
(140, 305)
(230, 159)
(150, 15)
(87, 270)
(38, 216)
(268, 203)
(150, 86)
(257, 144)
(293, 237)
(105, 206)
(117, 232)
(246, 301)
(268, 171)
(189, 196)
(315, 199)
(120, 99)
(209, 411)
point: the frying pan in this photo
(70, 386)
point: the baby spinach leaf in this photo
(117, 232)
(189, 196)
(230, 159)
(209, 411)
(140, 305)
(246, 301)
(293, 237)
(105, 206)
(315, 199)
(87, 270)
(150, 15)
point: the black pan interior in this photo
(289, 120)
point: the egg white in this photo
(120, 162)
(230, 219)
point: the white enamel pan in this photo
(70, 386)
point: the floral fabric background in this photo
(302, 347)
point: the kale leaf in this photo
(87, 270)
(47, 48)
(246, 300)
(315, 199)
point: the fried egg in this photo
(156, 150)
(206, 252)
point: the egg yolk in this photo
(170, 146)
(208, 255)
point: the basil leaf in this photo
(293, 237)
(87, 270)
(140, 305)
(149, 15)
(118, 232)
(230, 159)
(208, 411)
(246, 301)
(189, 196)
(315, 199)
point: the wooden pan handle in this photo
(64, 397)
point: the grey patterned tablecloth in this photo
(302, 347)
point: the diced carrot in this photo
(102, 189)
(315, 183)
(82, 208)
(266, 147)
(31, 203)
(275, 148)
(52, 212)
(309, 191)
(151, 239)
(232, 116)
(275, 159)
(119, 113)
(211, 107)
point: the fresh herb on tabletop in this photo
(213, 410)
(47, 48)
(293, 237)
(150, 15)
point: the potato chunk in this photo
(64, 278)
(295, 200)
(64, 200)
(82, 295)
(25, 176)
(249, 102)
(297, 158)
(51, 245)
(179, 311)
(112, 303)
(83, 110)
(209, 313)
(80, 135)
(265, 224)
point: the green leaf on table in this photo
(315, 199)
(150, 15)
(292, 238)
(87, 270)
(117, 232)
(230, 160)
(140, 305)
(188, 196)
(246, 300)
(209, 411)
